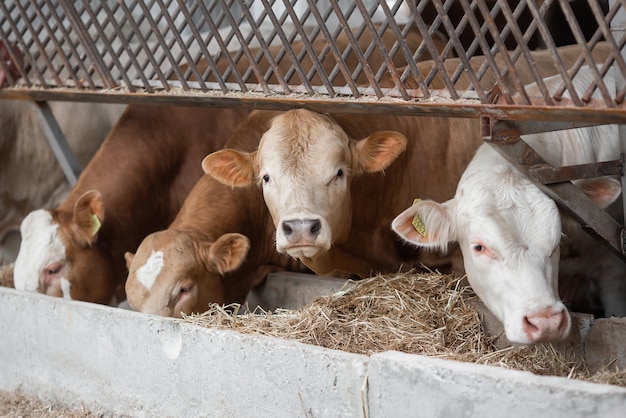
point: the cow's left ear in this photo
(377, 151)
(226, 254)
(602, 190)
(427, 224)
(87, 218)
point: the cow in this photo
(30, 175)
(218, 248)
(333, 183)
(509, 231)
(134, 185)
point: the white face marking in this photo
(41, 246)
(148, 273)
(66, 286)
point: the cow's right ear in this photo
(87, 218)
(230, 167)
(602, 190)
(427, 224)
(377, 151)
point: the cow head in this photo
(509, 233)
(305, 163)
(173, 273)
(59, 257)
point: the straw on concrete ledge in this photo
(428, 314)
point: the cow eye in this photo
(340, 173)
(266, 178)
(479, 248)
(185, 289)
(54, 270)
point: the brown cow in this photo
(135, 184)
(304, 157)
(219, 247)
(30, 175)
(203, 256)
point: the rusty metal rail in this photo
(454, 58)
(348, 55)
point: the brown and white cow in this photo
(323, 181)
(220, 245)
(30, 175)
(134, 185)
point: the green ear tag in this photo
(95, 225)
(417, 222)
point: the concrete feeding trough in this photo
(120, 362)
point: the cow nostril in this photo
(316, 227)
(287, 229)
(529, 326)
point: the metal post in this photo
(618, 25)
(58, 143)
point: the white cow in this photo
(30, 176)
(509, 231)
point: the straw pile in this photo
(420, 313)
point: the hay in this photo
(428, 314)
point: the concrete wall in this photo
(125, 363)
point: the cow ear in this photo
(230, 167)
(427, 224)
(602, 190)
(128, 256)
(226, 254)
(88, 217)
(377, 151)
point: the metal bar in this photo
(618, 27)
(90, 49)
(59, 49)
(549, 175)
(215, 34)
(55, 137)
(265, 48)
(424, 31)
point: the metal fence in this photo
(276, 52)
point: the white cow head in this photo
(305, 162)
(59, 257)
(509, 233)
(172, 272)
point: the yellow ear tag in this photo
(417, 222)
(95, 225)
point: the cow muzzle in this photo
(547, 325)
(302, 237)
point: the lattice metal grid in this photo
(364, 51)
